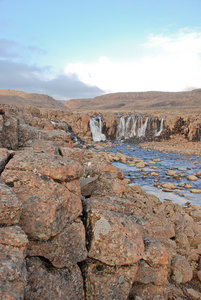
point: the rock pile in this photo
(72, 227)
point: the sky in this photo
(85, 48)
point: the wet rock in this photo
(13, 276)
(65, 249)
(192, 178)
(187, 186)
(195, 191)
(140, 165)
(154, 174)
(10, 206)
(107, 282)
(169, 185)
(112, 238)
(181, 269)
(171, 173)
(47, 282)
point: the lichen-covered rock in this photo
(47, 205)
(65, 249)
(10, 206)
(182, 271)
(113, 238)
(107, 282)
(13, 275)
(47, 282)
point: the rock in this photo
(187, 186)
(151, 274)
(13, 276)
(169, 185)
(47, 282)
(140, 165)
(73, 186)
(9, 135)
(181, 269)
(5, 155)
(76, 154)
(154, 174)
(65, 249)
(88, 185)
(193, 294)
(171, 173)
(10, 206)
(147, 292)
(107, 282)
(195, 191)
(161, 227)
(2, 112)
(155, 253)
(112, 238)
(192, 177)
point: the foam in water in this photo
(96, 127)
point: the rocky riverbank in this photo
(72, 227)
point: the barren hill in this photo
(19, 98)
(140, 101)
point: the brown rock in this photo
(195, 295)
(10, 206)
(47, 282)
(147, 292)
(2, 112)
(65, 249)
(13, 276)
(112, 238)
(192, 178)
(181, 269)
(195, 191)
(169, 185)
(151, 274)
(47, 205)
(161, 227)
(155, 253)
(4, 157)
(107, 282)
(171, 173)
(88, 185)
(55, 167)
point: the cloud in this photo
(172, 63)
(19, 76)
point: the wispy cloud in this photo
(172, 63)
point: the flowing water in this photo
(144, 178)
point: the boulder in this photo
(155, 253)
(13, 275)
(107, 282)
(161, 227)
(192, 177)
(10, 206)
(65, 249)
(181, 270)
(47, 282)
(9, 135)
(5, 155)
(113, 238)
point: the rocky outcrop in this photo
(72, 227)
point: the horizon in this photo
(86, 49)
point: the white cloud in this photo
(173, 63)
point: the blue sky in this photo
(80, 49)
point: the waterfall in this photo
(133, 128)
(96, 126)
(121, 128)
(142, 127)
(161, 127)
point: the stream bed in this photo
(188, 164)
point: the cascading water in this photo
(161, 127)
(142, 128)
(96, 127)
(121, 128)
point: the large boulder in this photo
(9, 135)
(47, 282)
(13, 275)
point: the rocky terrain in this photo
(72, 227)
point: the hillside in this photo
(140, 101)
(18, 98)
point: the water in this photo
(96, 127)
(170, 160)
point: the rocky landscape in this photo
(71, 225)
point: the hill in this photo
(140, 101)
(19, 98)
